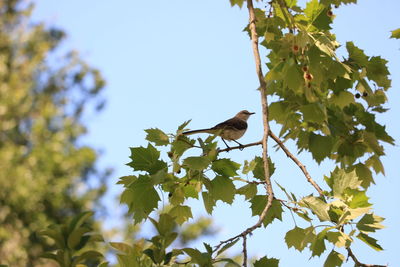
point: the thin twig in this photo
(244, 252)
(240, 147)
(358, 263)
(301, 166)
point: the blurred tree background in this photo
(46, 172)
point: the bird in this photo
(231, 129)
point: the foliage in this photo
(43, 99)
(70, 239)
(327, 105)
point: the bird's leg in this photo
(241, 147)
(226, 143)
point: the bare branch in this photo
(240, 147)
(358, 263)
(301, 166)
(244, 252)
(263, 89)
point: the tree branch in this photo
(358, 263)
(301, 166)
(244, 251)
(264, 104)
(240, 147)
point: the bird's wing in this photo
(234, 124)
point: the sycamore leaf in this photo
(209, 202)
(314, 112)
(364, 174)
(372, 242)
(197, 163)
(378, 72)
(320, 146)
(181, 213)
(203, 259)
(318, 245)
(248, 191)
(222, 188)
(225, 167)
(146, 159)
(258, 171)
(318, 207)
(158, 137)
(339, 239)
(395, 34)
(356, 54)
(141, 198)
(334, 259)
(343, 99)
(266, 262)
(237, 2)
(370, 223)
(299, 238)
(340, 180)
(258, 204)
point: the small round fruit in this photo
(358, 95)
(365, 94)
(308, 76)
(329, 13)
(304, 68)
(295, 48)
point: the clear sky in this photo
(169, 61)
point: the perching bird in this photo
(230, 130)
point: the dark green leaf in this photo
(372, 242)
(209, 202)
(258, 204)
(197, 163)
(146, 159)
(370, 223)
(249, 191)
(181, 213)
(313, 113)
(334, 259)
(225, 167)
(320, 146)
(267, 262)
(222, 188)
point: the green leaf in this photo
(343, 99)
(258, 171)
(197, 163)
(225, 167)
(314, 112)
(258, 204)
(146, 159)
(165, 224)
(248, 191)
(237, 2)
(267, 262)
(372, 242)
(141, 198)
(364, 174)
(222, 188)
(88, 255)
(395, 34)
(297, 238)
(340, 180)
(227, 246)
(293, 76)
(339, 239)
(203, 259)
(158, 137)
(122, 247)
(318, 245)
(209, 202)
(320, 146)
(318, 207)
(78, 220)
(334, 259)
(181, 213)
(370, 223)
(75, 236)
(378, 72)
(356, 54)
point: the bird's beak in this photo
(251, 113)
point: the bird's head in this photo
(244, 115)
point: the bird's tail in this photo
(197, 131)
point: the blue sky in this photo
(169, 61)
